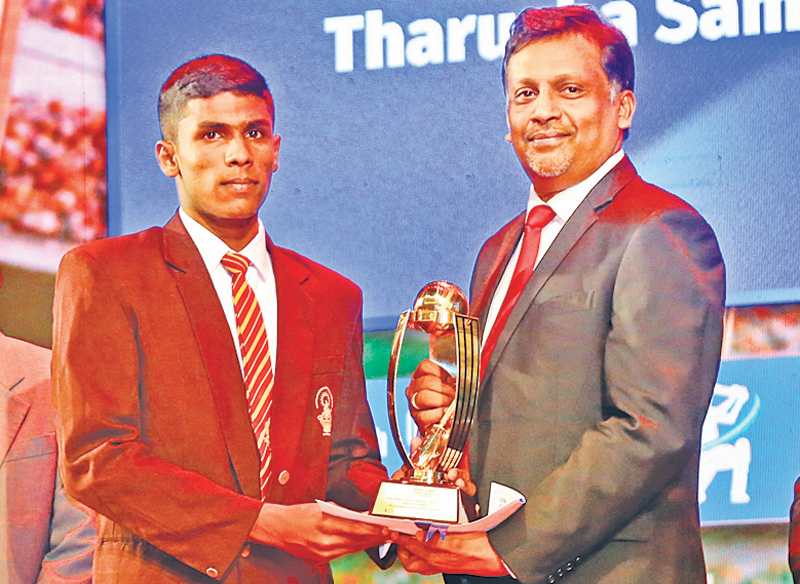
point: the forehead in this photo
(571, 55)
(226, 108)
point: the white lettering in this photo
(622, 14)
(385, 42)
(684, 15)
(457, 32)
(751, 16)
(376, 31)
(721, 19)
(489, 48)
(342, 28)
(427, 45)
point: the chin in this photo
(548, 166)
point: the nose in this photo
(238, 152)
(545, 107)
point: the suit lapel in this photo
(217, 350)
(502, 254)
(295, 356)
(581, 220)
(13, 410)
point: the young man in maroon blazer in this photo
(203, 407)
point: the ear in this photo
(627, 105)
(276, 146)
(167, 157)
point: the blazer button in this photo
(283, 478)
(212, 572)
(246, 551)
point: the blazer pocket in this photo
(324, 365)
(567, 302)
(44, 445)
(640, 529)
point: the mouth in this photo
(240, 184)
(546, 138)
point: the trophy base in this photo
(419, 501)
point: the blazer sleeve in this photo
(660, 362)
(354, 470)
(105, 460)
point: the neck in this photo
(546, 188)
(236, 233)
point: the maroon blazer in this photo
(152, 417)
(43, 538)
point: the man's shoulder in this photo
(123, 248)
(639, 197)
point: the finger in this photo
(440, 388)
(426, 418)
(402, 472)
(348, 528)
(460, 477)
(428, 367)
(434, 397)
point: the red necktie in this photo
(538, 217)
(255, 358)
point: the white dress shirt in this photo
(259, 276)
(564, 205)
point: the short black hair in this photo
(206, 77)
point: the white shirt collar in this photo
(565, 202)
(212, 248)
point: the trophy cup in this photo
(424, 494)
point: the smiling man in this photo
(601, 308)
(208, 383)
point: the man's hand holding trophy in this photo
(431, 486)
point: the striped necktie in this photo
(538, 218)
(255, 358)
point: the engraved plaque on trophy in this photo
(424, 494)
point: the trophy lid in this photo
(435, 306)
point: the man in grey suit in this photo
(602, 333)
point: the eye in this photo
(525, 94)
(211, 135)
(573, 90)
(255, 134)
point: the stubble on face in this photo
(550, 164)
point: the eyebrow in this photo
(211, 125)
(527, 80)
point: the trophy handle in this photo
(394, 363)
(468, 351)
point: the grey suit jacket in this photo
(593, 400)
(43, 537)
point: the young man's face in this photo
(563, 121)
(222, 159)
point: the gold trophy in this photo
(424, 494)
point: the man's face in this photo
(222, 159)
(563, 121)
